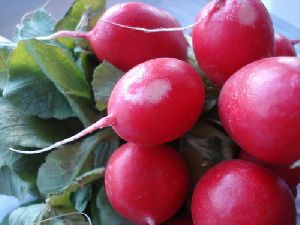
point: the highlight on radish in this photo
(146, 184)
(285, 46)
(229, 35)
(259, 108)
(236, 192)
(153, 103)
(125, 48)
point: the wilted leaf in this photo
(104, 79)
(43, 214)
(62, 199)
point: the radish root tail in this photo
(170, 29)
(294, 42)
(103, 122)
(64, 33)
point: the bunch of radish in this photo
(161, 97)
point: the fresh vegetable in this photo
(126, 48)
(290, 175)
(284, 46)
(146, 184)
(144, 105)
(236, 192)
(259, 108)
(230, 34)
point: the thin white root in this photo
(67, 214)
(64, 33)
(161, 29)
(103, 122)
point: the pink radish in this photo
(155, 102)
(284, 46)
(125, 48)
(230, 34)
(260, 109)
(146, 184)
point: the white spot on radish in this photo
(247, 15)
(150, 221)
(152, 92)
(290, 61)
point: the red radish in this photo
(153, 103)
(231, 34)
(238, 192)
(284, 46)
(290, 175)
(259, 107)
(125, 48)
(146, 184)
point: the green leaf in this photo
(203, 146)
(64, 165)
(5, 51)
(34, 24)
(45, 81)
(105, 214)
(27, 215)
(62, 199)
(74, 15)
(43, 214)
(81, 197)
(17, 129)
(104, 79)
(12, 185)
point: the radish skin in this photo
(284, 46)
(155, 102)
(146, 184)
(231, 34)
(126, 48)
(259, 108)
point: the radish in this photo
(155, 102)
(259, 107)
(146, 184)
(125, 48)
(230, 34)
(238, 192)
(284, 46)
(290, 175)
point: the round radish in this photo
(259, 107)
(231, 34)
(155, 102)
(284, 46)
(237, 192)
(146, 184)
(125, 48)
(290, 175)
